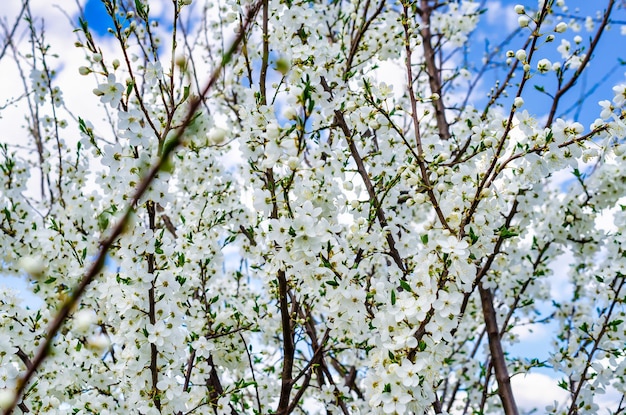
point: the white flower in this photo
(564, 48)
(223, 407)
(607, 109)
(110, 92)
(130, 120)
(394, 402)
(451, 245)
(544, 65)
(561, 27)
(158, 332)
(154, 72)
(620, 95)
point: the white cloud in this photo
(498, 14)
(560, 287)
(536, 391)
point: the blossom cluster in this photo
(337, 224)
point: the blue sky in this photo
(97, 17)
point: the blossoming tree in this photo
(310, 207)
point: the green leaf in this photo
(142, 10)
(506, 233)
(424, 239)
(332, 283)
(584, 327)
(405, 286)
(393, 297)
(103, 221)
(473, 236)
(129, 87)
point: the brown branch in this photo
(497, 354)
(24, 358)
(190, 364)
(356, 40)
(154, 368)
(8, 35)
(265, 55)
(256, 385)
(432, 70)
(416, 123)
(288, 345)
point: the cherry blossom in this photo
(312, 207)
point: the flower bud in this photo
(561, 27)
(6, 397)
(518, 102)
(33, 265)
(216, 136)
(523, 21)
(83, 320)
(519, 9)
(290, 112)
